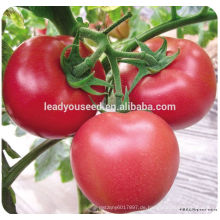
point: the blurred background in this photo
(47, 185)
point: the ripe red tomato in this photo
(125, 162)
(34, 77)
(189, 83)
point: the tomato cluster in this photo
(122, 162)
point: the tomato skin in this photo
(189, 83)
(127, 159)
(34, 76)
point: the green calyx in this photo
(78, 70)
(148, 67)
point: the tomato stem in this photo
(203, 15)
(116, 74)
(114, 25)
(15, 170)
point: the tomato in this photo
(189, 83)
(34, 79)
(125, 162)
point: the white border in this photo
(214, 4)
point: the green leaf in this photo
(186, 11)
(92, 15)
(19, 132)
(65, 170)
(138, 26)
(115, 14)
(84, 203)
(3, 25)
(61, 16)
(213, 26)
(109, 8)
(50, 160)
(76, 10)
(15, 17)
(9, 150)
(8, 200)
(6, 54)
(5, 119)
(51, 29)
(205, 37)
(92, 7)
(160, 15)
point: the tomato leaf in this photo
(84, 203)
(160, 15)
(109, 8)
(205, 36)
(6, 54)
(50, 160)
(65, 170)
(15, 17)
(138, 26)
(115, 14)
(92, 14)
(19, 132)
(3, 25)
(6, 119)
(76, 10)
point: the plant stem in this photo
(116, 74)
(203, 15)
(169, 26)
(122, 19)
(64, 21)
(90, 61)
(60, 16)
(141, 56)
(174, 13)
(91, 34)
(15, 170)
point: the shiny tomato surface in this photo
(34, 78)
(189, 83)
(125, 162)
